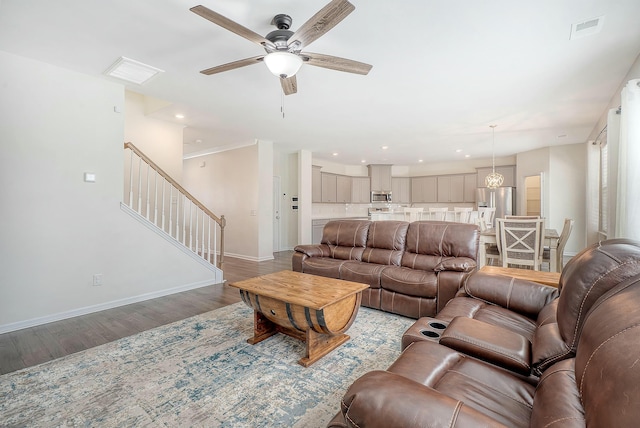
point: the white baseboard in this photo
(249, 258)
(6, 328)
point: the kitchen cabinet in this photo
(424, 189)
(329, 187)
(509, 173)
(470, 184)
(360, 190)
(450, 188)
(380, 177)
(343, 189)
(316, 184)
(335, 188)
(401, 190)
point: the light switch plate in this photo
(89, 177)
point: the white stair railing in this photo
(154, 195)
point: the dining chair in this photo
(562, 241)
(520, 242)
(492, 251)
(439, 214)
(522, 217)
(462, 214)
(488, 215)
(413, 214)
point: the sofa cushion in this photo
(489, 313)
(366, 273)
(345, 233)
(385, 242)
(323, 266)
(483, 387)
(557, 400)
(411, 282)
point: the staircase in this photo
(157, 199)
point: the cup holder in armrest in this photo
(437, 325)
(430, 333)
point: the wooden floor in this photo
(35, 345)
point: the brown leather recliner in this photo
(588, 364)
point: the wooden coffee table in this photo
(314, 309)
(547, 278)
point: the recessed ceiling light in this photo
(458, 150)
(335, 154)
(363, 161)
(384, 147)
(420, 160)
(179, 116)
(467, 156)
(132, 71)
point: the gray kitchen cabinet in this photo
(329, 187)
(450, 188)
(401, 190)
(470, 184)
(424, 189)
(360, 190)
(343, 189)
(316, 184)
(380, 177)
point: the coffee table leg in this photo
(319, 345)
(262, 328)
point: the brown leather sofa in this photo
(517, 355)
(412, 269)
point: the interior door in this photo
(276, 214)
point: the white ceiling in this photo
(443, 71)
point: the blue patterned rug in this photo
(199, 372)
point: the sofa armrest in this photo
(385, 399)
(490, 343)
(310, 250)
(525, 297)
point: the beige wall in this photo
(60, 230)
(238, 185)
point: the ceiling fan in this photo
(283, 47)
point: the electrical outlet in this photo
(97, 279)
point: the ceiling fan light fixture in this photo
(283, 64)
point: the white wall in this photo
(158, 139)
(567, 199)
(58, 230)
(591, 211)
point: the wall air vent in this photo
(586, 28)
(132, 71)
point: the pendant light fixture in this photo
(494, 179)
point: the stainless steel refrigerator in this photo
(503, 199)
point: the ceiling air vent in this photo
(132, 71)
(586, 28)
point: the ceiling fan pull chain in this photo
(282, 103)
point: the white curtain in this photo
(628, 195)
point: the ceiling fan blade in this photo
(289, 85)
(230, 25)
(336, 63)
(233, 65)
(323, 21)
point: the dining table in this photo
(488, 237)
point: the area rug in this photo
(199, 372)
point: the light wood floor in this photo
(36, 345)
